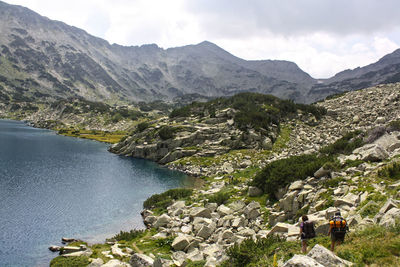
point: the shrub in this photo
(166, 132)
(392, 171)
(219, 198)
(280, 173)
(253, 109)
(344, 145)
(142, 126)
(127, 236)
(116, 117)
(334, 182)
(161, 200)
(394, 126)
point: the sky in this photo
(322, 37)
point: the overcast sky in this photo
(322, 37)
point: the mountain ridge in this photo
(46, 59)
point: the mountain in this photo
(386, 70)
(42, 58)
(46, 60)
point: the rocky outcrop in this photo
(205, 232)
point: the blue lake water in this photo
(53, 186)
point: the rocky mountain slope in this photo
(45, 59)
(360, 178)
(385, 70)
(41, 58)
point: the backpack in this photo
(308, 229)
(338, 225)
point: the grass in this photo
(61, 261)
(102, 136)
(375, 245)
(283, 138)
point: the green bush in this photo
(161, 200)
(282, 172)
(392, 171)
(344, 145)
(60, 261)
(334, 182)
(254, 110)
(142, 126)
(394, 126)
(166, 132)
(219, 198)
(116, 117)
(127, 236)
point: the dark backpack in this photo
(308, 229)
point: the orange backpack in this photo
(338, 224)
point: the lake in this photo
(54, 186)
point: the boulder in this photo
(195, 255)
(238, 222)
(54, 248)
(205, 232)
(280, 228)
(348, 200)
(211, 206)
(115, 250)
(180, 243)
(149, 220)
(98, 262)
(387, 206)
(237, 205)
(117, 263)
(72, 249)
(200, 212)
(326, 257)
(389, 142)
(371, 152)
(227, 168)
(227, 234)
(297, 185)
(140, 260)
(302, 261)
(286, 203)
(390, 217)
(247, 232)
(179, 258)
(321, 172)
(178, 205)
(254, 191)
(224, 210)
(162, 221)
(160, 262)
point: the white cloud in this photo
(323, 37)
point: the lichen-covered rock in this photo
(302, 261)
(326, 257)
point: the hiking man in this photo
(337, 229)
(307, 231)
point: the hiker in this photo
(307, 231)
(337, 229)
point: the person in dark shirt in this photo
(307, 231)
